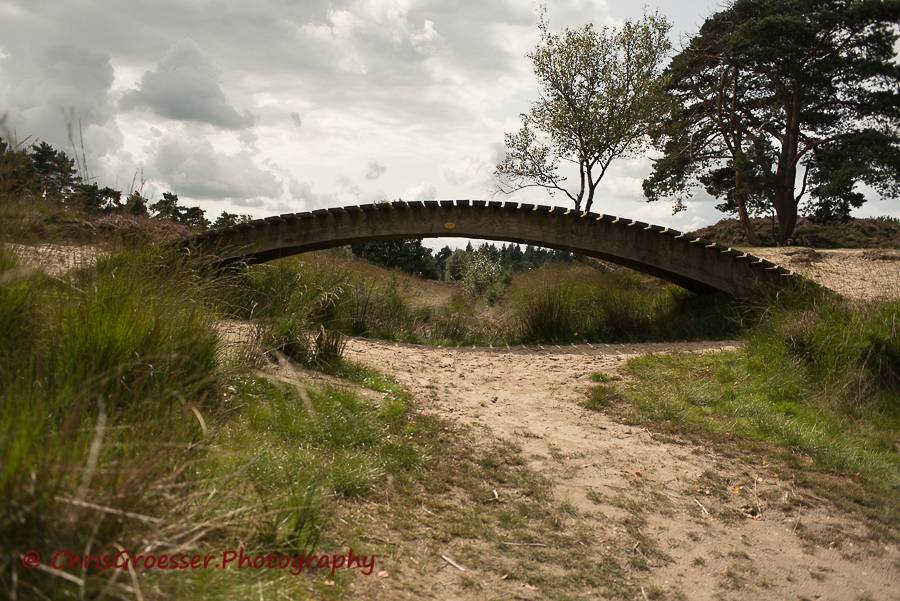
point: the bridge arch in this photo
(696, 264)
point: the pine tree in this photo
(772, 88)
(167, 207)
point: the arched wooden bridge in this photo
(694, 263)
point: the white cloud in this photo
(423, 191)
(425, 41)
(303, 196)
(475, 174)
(349, 191)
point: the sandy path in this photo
(799, 547)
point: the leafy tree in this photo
(167, 207)
(600, 93)
(771, 87)
(93, 199)
(456, 263)
(480, 272)
(17, 175)
(441, 259)
(863, 156)
(193, 217)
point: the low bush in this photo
(879, 232)
(313, 300)
(301, 299)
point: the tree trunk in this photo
(786, 212)
(740, 200)
(786, 175)
(588, 178)
(745, 222)
(590, 198)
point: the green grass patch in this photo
(733, 393)
(817, 383)
(105, 376)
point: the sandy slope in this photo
(793, 550)
(55, 259)
(856, 273)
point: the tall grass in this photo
(563, 303)
(120, 426)
(850, 350)
(315, 299)
(95, 367)
(309, 303)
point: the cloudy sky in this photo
(275, 106)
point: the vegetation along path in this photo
(697, 523)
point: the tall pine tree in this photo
(777, 99)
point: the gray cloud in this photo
(186, 86)
(296, 119)
(347, 187)
(192, 167)
(60, 92)
(303, 196)
(375, 170)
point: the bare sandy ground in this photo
(731, 530)
(855, 273)
(55, 259)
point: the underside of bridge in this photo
(696, 264)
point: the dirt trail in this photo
(697, 530)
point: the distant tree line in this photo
(447, 264)
(41, 171)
